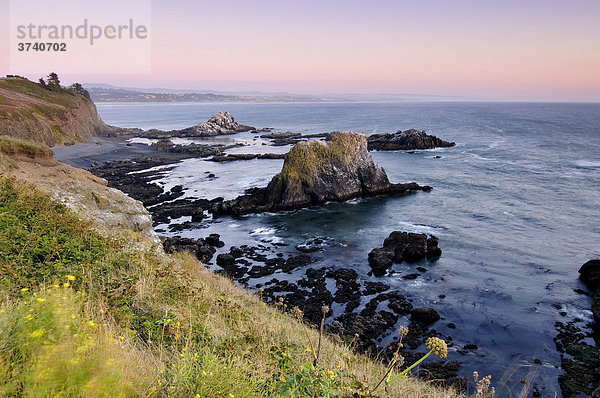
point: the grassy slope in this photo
(87, 315)
(28, 111)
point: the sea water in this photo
(515, 205)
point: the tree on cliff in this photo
(53, 82)
(78, 88)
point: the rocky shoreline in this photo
(580, 360)
(383, 308)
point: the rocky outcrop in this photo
(106, 208)
(221, 123)
(192, 150)
(589, 273)
(403, 246)
(579, 356)
(406, 140)
(315, 172)
(28, 111)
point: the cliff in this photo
(29, 111)
(109, 209)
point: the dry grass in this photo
(19, 147)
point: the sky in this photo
(534, 50)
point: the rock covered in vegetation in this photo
(403, 246)
(315, 172)
(406, 140)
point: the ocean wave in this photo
(587, 164)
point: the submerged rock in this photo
(406, 140)
(315, 172)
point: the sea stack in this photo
(337, 169)
(316, 172)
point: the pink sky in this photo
(510, 50)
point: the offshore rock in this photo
(403, 246)
(315, 172)
(221, 123)
(406, 140)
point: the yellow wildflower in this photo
(36, 333)
(91, 323)
(25, 289)
(437, 346)
(70, 277)
(40, 299)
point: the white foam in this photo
(587, 163)
(140, 140)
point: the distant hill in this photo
(107, 93)
(53, 117)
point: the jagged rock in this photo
(203, 249)
(424, 315)
(406, 140)
(215, 240)
(403, 246)
(589, 273)
(221, 123)
(315, 172)
(380, 260)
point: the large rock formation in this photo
(315, 172)
(406, 140)
(28, 111)
(221, 123)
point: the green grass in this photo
(15, 146)
(24, 86)
(87, 315)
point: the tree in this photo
(42, 83)
(78, 88)
(53, 82)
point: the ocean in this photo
(515, 205)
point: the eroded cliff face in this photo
(106, 208)
(28, 111)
